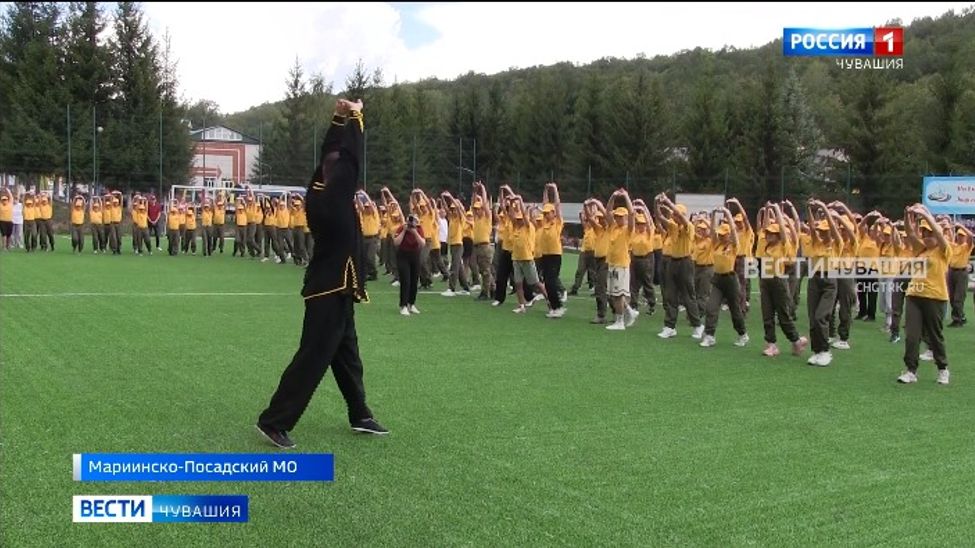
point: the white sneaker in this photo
(841, 345)
(264, 260)
(277, 260)
(551, 314)
(559, 312)
(616, 326)
(158, 249)
(288, 257)
(908, 378)
(682, 308)
(475, 287)
(395, 283)
(708, 341)
(667, 333)
(926, 356)
(564, 296)
(631, 316)
(724, 308)
(821, 359)
(414, 309)
(520, 309)
(538, 298)
(831, 340)
(698, 332)
(404, 311)
(448, 293)
(495, 303)
(463, 292)
(742, 340)
(943, 376)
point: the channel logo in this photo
(856, 42)
(159, 508)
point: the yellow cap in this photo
(888, 230)
(682, 209)
(621, 211)
(723, 229)
(739, 218)
(548, 208)
(924, 224)
(702, 224)
(518, 215)
(773, 228)
(823, 224)
(641, 219)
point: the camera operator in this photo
(409, 240)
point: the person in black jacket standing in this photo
(333, 283)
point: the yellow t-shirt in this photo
(959, 255)
(6, 211)
(30, 212)
(820, 250)
(240, 215)
(78, 214)
(370, 223)
(746, 243)
(468, 231)
(504, 231)
(95, 215)
(724, 256)
(46, 211)
(191, 219)
(140, 218)
(641, 243)
(270, 220)
(935, 284)
(550, 241)
(618, 254)
(783, 252)
(428, 222)
(703, 251)
(537, 246)
(868, 249)
(588, 239)
(174, 219)
(298, 217)
(455, 229)
(522, 242)
(219, 211)
(283, 217)
(482, 229)
(600, 242)
(255, 214)
(680, 237)
(116, 210)
(207, 217)
(658, 241)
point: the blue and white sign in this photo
(159, 508)
(949, 195)
(204, 467)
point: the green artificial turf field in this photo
(506, 430)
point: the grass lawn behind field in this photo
(506, 430)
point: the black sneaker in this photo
(369, 426)
(277, 437)
(895, 338)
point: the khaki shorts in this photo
(525, 272)
(619, 281)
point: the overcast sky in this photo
(238, 54)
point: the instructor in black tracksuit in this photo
(333, 283)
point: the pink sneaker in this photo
(799, 346)
(771, 350)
